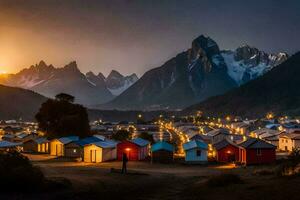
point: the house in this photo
(227, 151)
(38, 145)
(195, 151)
(100, 151)
(136, 149)
(162, 152)
(6, 145)
(240, 128)
(289, 141)
(207, 139)
(218, 135)
(256, 151)
(74, 149)
(57, 146)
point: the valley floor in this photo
(159, 181)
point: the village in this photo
(192, 140)
(177, 151)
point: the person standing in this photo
(124, 163)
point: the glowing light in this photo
(127, 149)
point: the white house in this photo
(101, 151)
(289, 141)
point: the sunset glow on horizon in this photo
(60, 32)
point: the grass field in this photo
(157, 181)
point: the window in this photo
(258, 152)
(198, 152)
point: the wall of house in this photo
(73, 150)
(285, 144)
(296, 143)
(56, 148)
(109, 154)
(92, 153)
(162, 156)
(131, 149)
(191, 155)
(229, 153)
(267, 156)
(30, 146)
(43, 147)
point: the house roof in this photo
(88, 140)
(6, 144)
(293, 136)
(216, 132)
(162, 146)
(66, 140)
(9, 135)
(105, 144)
(140, 142)
(195, 144)
(41, 140)
(205, 138)
(253, 143)
(224, 143)
(22, 135)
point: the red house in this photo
(256, 151)
(227, 151)
(136, 149)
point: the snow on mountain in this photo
(117, 83)
(247, 63)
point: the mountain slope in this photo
(277, 91)
(189, 77)
(18, 103)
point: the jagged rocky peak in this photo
(278, 58)
(90, 74)
(247, 63)
(72, 67)
(205, 51)
(100, 75)
(202, 45)
(133, 77)
(115, 75)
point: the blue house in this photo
(162, 152)
(195, 151)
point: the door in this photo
(59, 150)
(93, 154)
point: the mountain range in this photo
(195, 75)
(277, 91)
(88, 89)
(190, 77)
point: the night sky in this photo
(135, 36)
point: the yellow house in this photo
(100, 151)
(289, 141)
(57, 145)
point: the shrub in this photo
(122, 135)
(223, 180)
(17, 173)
